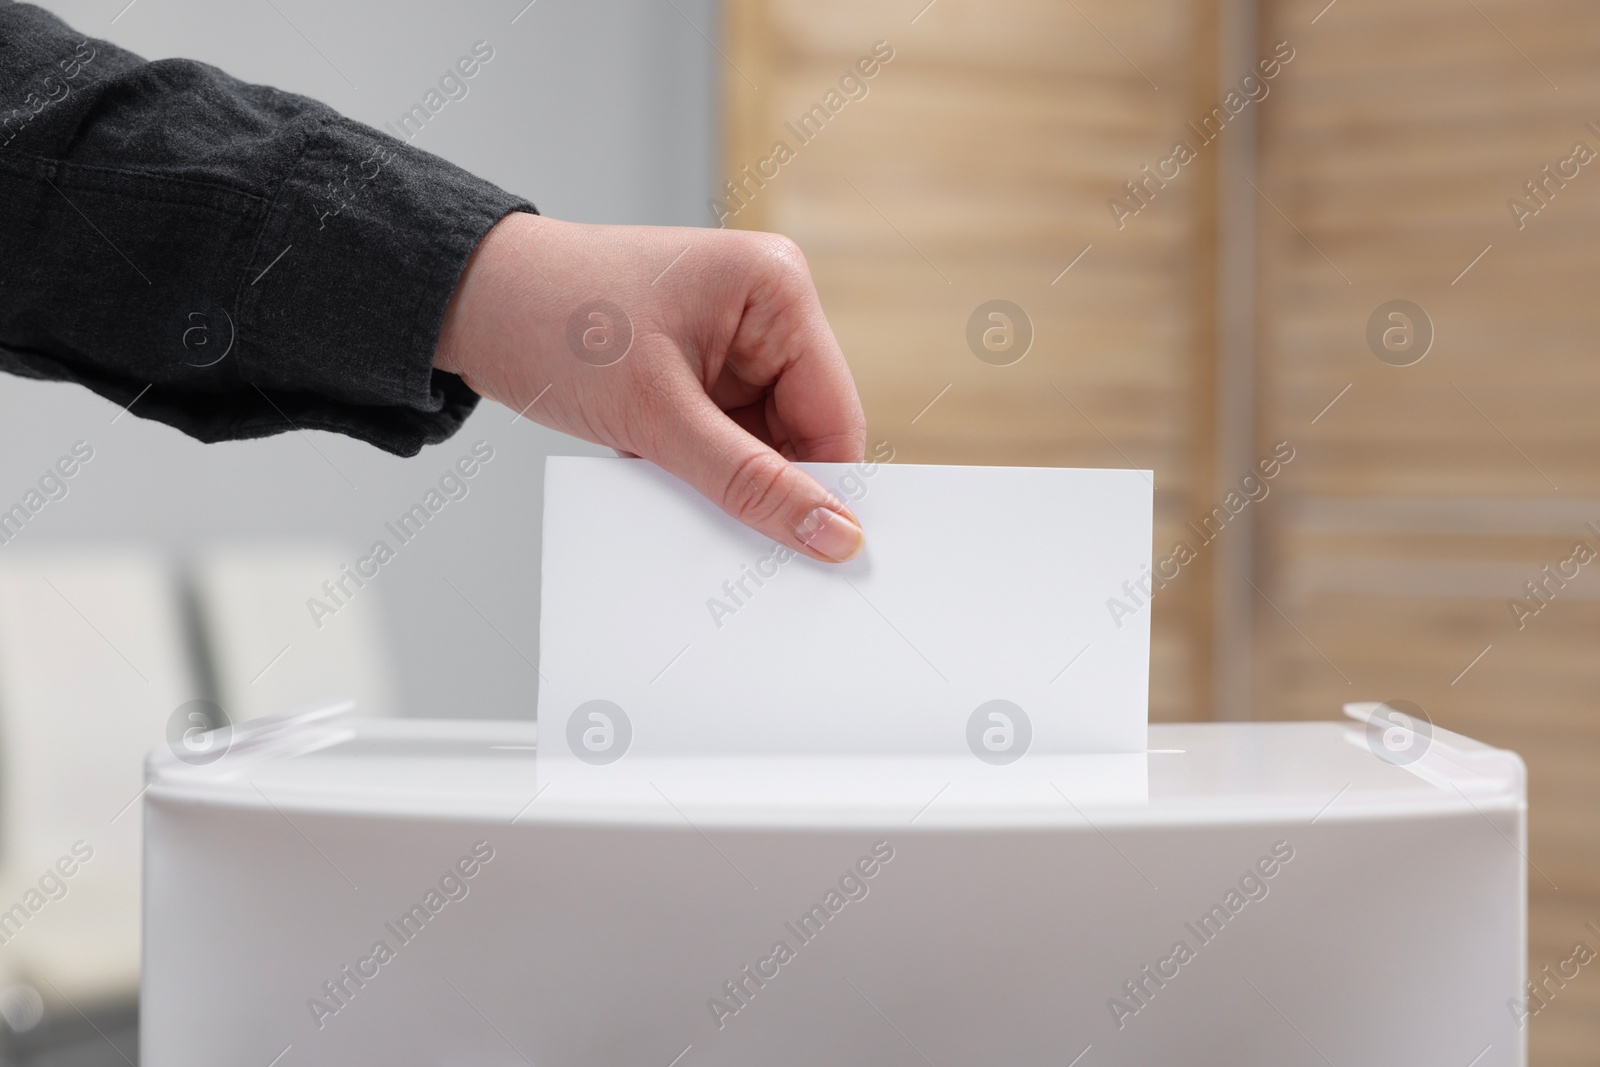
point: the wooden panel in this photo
(1428, 494)
(1420, 498)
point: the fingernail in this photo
(830, 534)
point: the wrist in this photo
(490, 277)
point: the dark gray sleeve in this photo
(229, 259)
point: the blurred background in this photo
(1354, 238)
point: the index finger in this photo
(784, 338)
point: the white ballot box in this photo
(340, 891)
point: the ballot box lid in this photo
(1375, 766)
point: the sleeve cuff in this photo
(355, 261)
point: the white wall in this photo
(595, 111)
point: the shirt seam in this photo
(55, 165)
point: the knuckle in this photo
(768, 264)
(758, 490)
(782, 255)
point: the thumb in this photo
(755, 485)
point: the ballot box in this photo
(341, 891)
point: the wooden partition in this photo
(1431, 492)
(1201, 312)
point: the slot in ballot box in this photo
(341, 891)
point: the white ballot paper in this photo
(996, 612)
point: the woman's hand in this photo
(705, 351)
